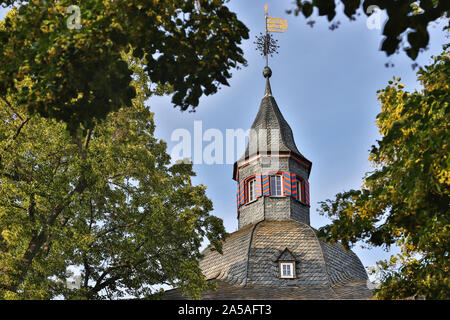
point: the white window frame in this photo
(291, 268)
(274, 176)
(251, 190)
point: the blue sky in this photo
(325, 84)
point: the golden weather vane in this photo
(266, 44)
(274, 24)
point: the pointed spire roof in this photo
(270, 132)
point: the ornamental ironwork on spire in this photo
(270, 132)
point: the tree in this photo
(405, 200)
(76, 72)
(406, 19)
(105, 200)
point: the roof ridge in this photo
(249, 249)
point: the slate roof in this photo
(248, 268)
(286, 255)
(269, 117)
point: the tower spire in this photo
(272, 174)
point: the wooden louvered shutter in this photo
(266, 184)
(258, 185)
(238, 202)
(287, 184)
(306, 185)
(294, 185)
(245, 184)
(241, 193)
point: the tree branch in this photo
(39, 240)
(20, 128)
(32, 207)
(10, 106)
(101, 285)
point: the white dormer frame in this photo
(287, 269)
(287, 265)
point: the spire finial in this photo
(267, 72)
(268, 91)
(267, 44)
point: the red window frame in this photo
(254, 188)
(301, 192)
(246, 181)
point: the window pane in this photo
(275, 185)
(286, 269)
(251, 190)
(279, 185)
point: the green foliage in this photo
(406, 199)
(78, 76)
(106, 200)
(406, 19)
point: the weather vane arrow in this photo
(265, 43)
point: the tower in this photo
(272, 175)
(275, 253)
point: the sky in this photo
(325, 84)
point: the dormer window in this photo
(286, 269)
(275, 185)
(251, 190)
(286, 264)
